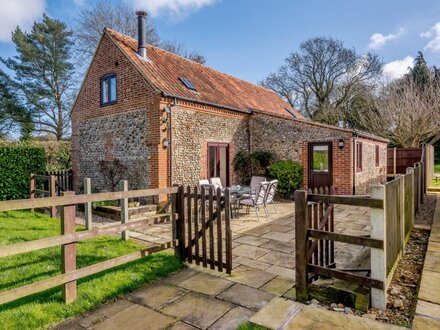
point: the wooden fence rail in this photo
(392, 211)
(186, 218)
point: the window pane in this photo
(212, 161)
(320, 158)
(104, 91)
(112, 89)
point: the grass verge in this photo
(251, 326)
(47, 308)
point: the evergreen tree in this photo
(420, 72)
(42, 77)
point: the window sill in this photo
(108, 103)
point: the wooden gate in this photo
(205, 236)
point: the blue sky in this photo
(250, 38)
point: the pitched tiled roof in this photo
(163, 69)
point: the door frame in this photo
(330, 160)
(208, 170)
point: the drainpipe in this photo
(354, 166)
(170, 145)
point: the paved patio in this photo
(263, 269)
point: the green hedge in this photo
(289, 175)
(17, 162)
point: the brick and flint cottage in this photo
(170, 120)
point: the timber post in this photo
(32, 187)
(301, 248)
(378, 256)
(125, 234)
(88, 205)
(53, 193)
(68, 251)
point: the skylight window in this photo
(188, 84)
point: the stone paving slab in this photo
(198, 310)
(207, 284)
(157, 295)
(182, 326)
(285, 247)
(428, 304)
(251, 240)
(286, 260)
(278, 286)
(103, 312)
(250, 263)
(275, 235)
(285, 314)
(246, 296)
(232, 319)
(287, 273)
(316, 318)
(275, 313)
(252, 277)
(249, 251)
(136, 317)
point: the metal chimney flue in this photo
(142, 43)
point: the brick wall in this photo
(193, 129)
(342, 169)
(128, 130)
(371, 174)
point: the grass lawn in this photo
(251, 326)
(47, 308)
(435, 183)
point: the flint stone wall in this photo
(123, 136)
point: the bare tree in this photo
(120, 17)
(322, 77)
(105, 13)
(405, 113)
(180, 49)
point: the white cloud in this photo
(78, 2)
(434, 33)
(378, 40)
(175, 8)
(18, 12)
(398, 68)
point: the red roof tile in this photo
(163, 69)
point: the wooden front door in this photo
(218, 162)
(320, 165)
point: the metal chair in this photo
(258, 199)
(270, 196)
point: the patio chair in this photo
(216, 182)
(254, 185)
(257, 200)
(271, 191)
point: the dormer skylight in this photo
(187, 84)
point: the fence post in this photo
(125, 235)
(175, 208)
(53, 193)
(395, 161)
(378, 256)
(88, 206)
(301, 245)
(401, 200)
(410, 197)
(32, 187)
(68, 251)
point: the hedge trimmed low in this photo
(17, 162)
